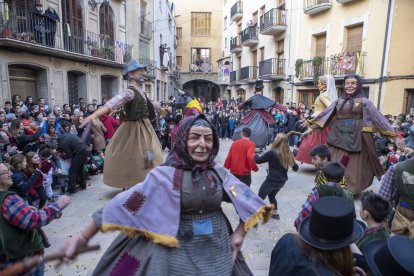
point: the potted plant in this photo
(108, 52)
(27, 36)
(8, 30)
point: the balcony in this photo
(29, 32)
(201, 67)
(273, 22)
(337, 65)
(235, 46)
(235, 77)
(316, 6)
(236, 11)
(174, 72)
(249, 36)
(272, 69)
(145, 29)
(345, 1)
(150, 64)
(248, 74)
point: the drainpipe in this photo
(126, 26)
(386, 46)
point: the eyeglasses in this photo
(8, 172)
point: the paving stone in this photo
(258, 243)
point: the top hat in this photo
(131, 67)
(259, 85)
(331, 225)
(409, 141)
(390, 257)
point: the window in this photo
(200, 23)
(225, 42)
(354, 38)
(254, 16)
(106, 19)
(261, 54)
(179, 32)
(200, 55)
(144, 49)
(320, 45)
(254, 58)
(280, 3)
(225, 22)
(280, 47)
(179, 61)
(262, 10)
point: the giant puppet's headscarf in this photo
(359, 93)
(179, 157)
(331, 88)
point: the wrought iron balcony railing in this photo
(335, 65)
(201, 67)
(235, 45)
(236, 11)
(234, 76)
(248, 73)
(273, 22)
(145, 29)
(272, 68)
(26, 26)
(315, 6)
(150, 64)
(249, 36)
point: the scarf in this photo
(181, 160)
(359, 93)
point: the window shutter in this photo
(320, 49)
(354, 39)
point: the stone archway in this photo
(242, 93)
(204, 89)
(28, 80)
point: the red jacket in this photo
(111, 124)
(240, 159)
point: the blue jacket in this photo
(21, 184)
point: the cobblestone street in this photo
(257, 246)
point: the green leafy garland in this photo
(298, 67)
(316, 64)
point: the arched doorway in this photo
(76, 86)
(242, 93)
(278, 94)
(204, 89)
(72, 24)
(109, 86)
(28, 80)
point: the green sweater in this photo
(16, 243)
(373, 234)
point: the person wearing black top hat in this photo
(391, 257)
(323, 244)
(258, 119)
(135, 148)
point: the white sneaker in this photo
(220, 139)
(227, 138)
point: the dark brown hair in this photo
(340, 261)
